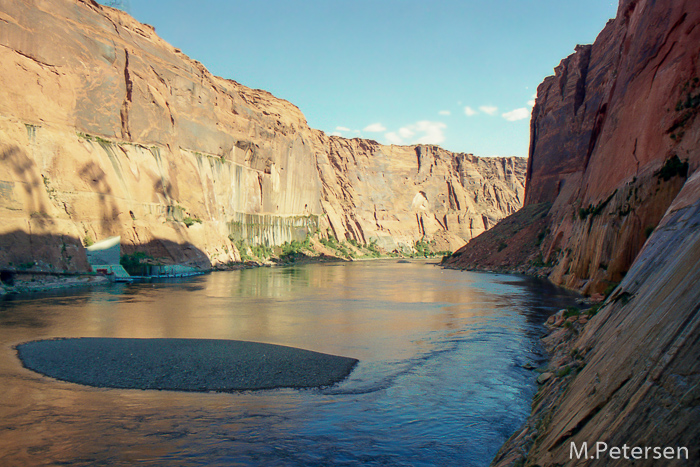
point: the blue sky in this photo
(461, 74)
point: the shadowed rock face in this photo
(105, 129)
(612, 116)
(636, 372)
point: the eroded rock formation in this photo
(614, 136)
(397, 194)
(105, 129)
(631, 375)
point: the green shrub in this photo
(190, 221)
(133, 263)
(609, 289)
(624, 297)
(373, 250)
(330, 242)
(422, 248)
(595, 210)
(592, 311)
(88, 241)
(291, 250)
(672, 167)
(242, 249)
(261, 251)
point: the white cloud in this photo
(489, 109)
(445, 112)
(393, 138)
(405, 132)
(374, 128)
(469, 112)
(432, 132)
(336, 133)
(422, 132)
(342, 128)
(531, 102)
(517, 114)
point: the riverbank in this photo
(554, 378)
(24, 283)
(31, 282)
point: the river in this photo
(440, 379)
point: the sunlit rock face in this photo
(614, 136)
(108, 130)
(105, 129)
(613, 115)
(398, 194)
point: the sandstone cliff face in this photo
(106, 130)
(631, 375)
(614, 135)
(396, 194)
(604, 126)
(614, 149)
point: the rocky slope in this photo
(614, 163)
(106, 130)
(631, 375)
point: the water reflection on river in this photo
(440, 379)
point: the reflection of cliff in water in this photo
(441, 355)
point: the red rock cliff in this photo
(603, 127)
(614, 158)
(614, 136)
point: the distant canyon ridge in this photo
(106, 129)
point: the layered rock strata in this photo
(395, 195)
(105, 130)
(630, 376)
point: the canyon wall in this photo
(105, 129)
(614, 136)
(395, 195)
(631, 375)
(611, 206)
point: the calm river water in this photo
(440, 379)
